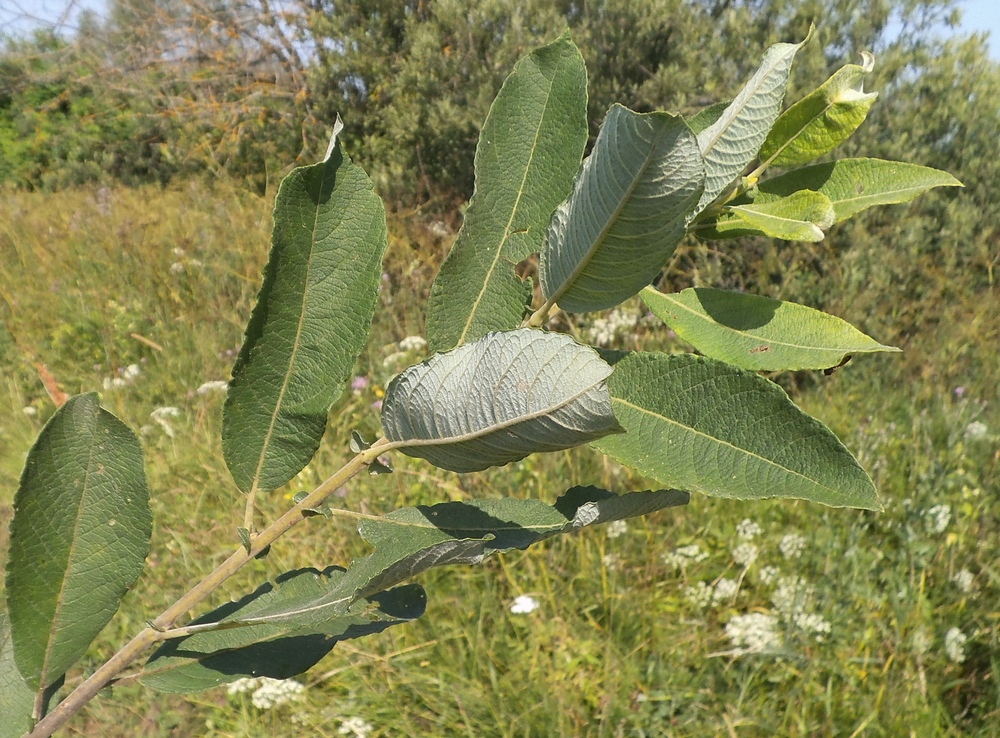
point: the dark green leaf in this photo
(79, 537)
(529, 151)
(706, 426)
(277, 631)
(310, 323)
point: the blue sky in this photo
(978, 15)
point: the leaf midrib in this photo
(510, 221)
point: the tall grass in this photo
(630, 637)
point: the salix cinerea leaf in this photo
(627, 212)
(706, 116)
(498, 399)
(79, 537)
(758, 333)
(732, 142)
(410, 541)
(854, 185)
(16, 697)
(823, 119)
(529, 151)
(276, 631)
(311, 320)
(802, 216)
(707, 426)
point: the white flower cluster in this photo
(792, 545)
(954, 645)
(603, 331)
(523, 604)
(162, 415)
(745, 554)
(965, 580)
(754, 632)
(215, 385)
(616, 528)
(768, 574)
(356, 727)
(748, 530)
(699, 594)
(725, 589)
(412, 343)
(267, 692)
(938, 518)
(684, 555)
(128, 376)
(922, 641)
(975, 431)
(793, 599)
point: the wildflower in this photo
(812, 623)
(393, 360)
(680, 557)
(964, 580)
(603, 331)
(616, 528)
(610, 561)
(698, 595)
(523, 604)
(921, 641)
(246, 684)
(768, 574)
(413, 343)
(938, 518)
(377, 406)
(359, 384)
(793, 596)
(745, 553)
(754, 633)
(791, 545)
(975, 431)
(177, 268)
(215, 385)
(355, 727)
(30, 411)
(959, 392)
(748, 529)
(725, 589)
(276, 692)
(162, 417)
(954, 645)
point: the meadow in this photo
(876, 624)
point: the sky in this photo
(17, 15)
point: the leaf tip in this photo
(338, 126)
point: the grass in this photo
(95, 281)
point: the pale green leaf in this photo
(627, 212)
(802, 216)
(706, 426)
(310, 323)
(529, 152)
(16, 698)
(733, 141)
(823, 119)
(412, 540)
(854, 185)
(276, 631)
(79, 537)
(759, 333)
(498, 399)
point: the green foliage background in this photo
(134, 203)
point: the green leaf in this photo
(705, 426)
(854, 185)
(276, 631)
(802, 216)
(733, 141)
(412, 540)
(759, 333)
(310, 323)
(627, 212)
(499, 399)
(16, 698)
(707, 116)
(823, 119)
(529, 152)
(79, 537)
